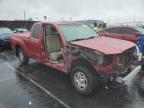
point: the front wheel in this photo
(22, 58)
(82, 80)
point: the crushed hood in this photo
(105, 45)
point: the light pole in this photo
(24, 15)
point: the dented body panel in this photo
(105, 45)
(102, 54)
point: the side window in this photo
(113, 30)
(51, 30)
(129, 31)
(35, 32)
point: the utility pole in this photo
(24, 15)
(45, 17)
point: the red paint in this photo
(34, 48)
(105, 45)
(129, 37)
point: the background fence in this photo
(15, 24)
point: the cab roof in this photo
(59, 22)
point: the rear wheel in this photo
(22, 58)
(83, 80)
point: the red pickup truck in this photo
(76, 50)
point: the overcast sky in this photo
(107, 10)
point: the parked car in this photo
(97, 25)
(20, 30)
(122, 32)
(133, 34)
(5, 34)
(78, 50)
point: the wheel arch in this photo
(82, 62)
(21, 45)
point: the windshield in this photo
(22, 29)
(77, 31)
(5, 31)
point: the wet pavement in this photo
(40, 86)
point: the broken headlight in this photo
(107, 60)
(103, 59)
(99, 57)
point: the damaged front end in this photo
(128, 66)
(120, 67)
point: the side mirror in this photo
(137, 34)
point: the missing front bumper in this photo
(129, 77)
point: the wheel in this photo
(82, 80)
(22, 58)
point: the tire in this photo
(22, 58)
(83, 80)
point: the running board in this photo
(129, 77)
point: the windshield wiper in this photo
(82, 39)
(78, 39)
(90, 37)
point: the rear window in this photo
(126, 30)
(122, 30)
(114, 30)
